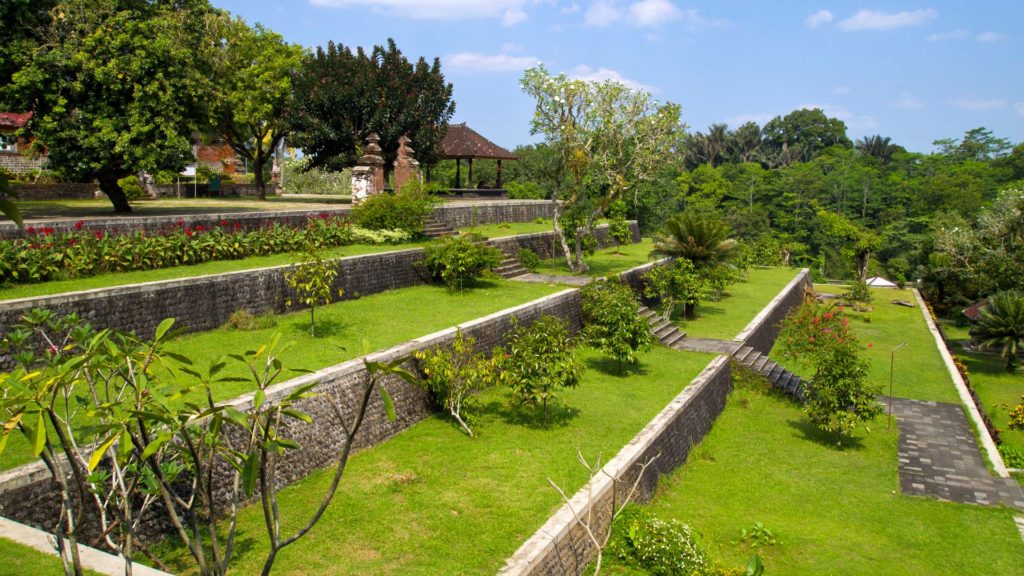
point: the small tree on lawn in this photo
(839, 398)
(459, 260)
(613, 324)
(678, 281)
(540, 359)
(1001, 325)
(618, 225)
(453, 374)
(313, 281)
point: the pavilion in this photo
(463, 143)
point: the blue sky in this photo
(914, 71)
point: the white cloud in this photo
(476, 62)
(878, 20)
(583, 72)
(601, 14)
(979, 104)
(852, 121)
(841, 90)
(572, 8)
(906, 101)
(818, 18)
(507, 10)
(653, 12)
(954, 35)
(990, 37)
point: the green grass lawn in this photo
(381, 320)
(503, 229)
(742, 302)
(604, 261)
(19, 560)
(218, 267)
(998, 389)
(918, 371)
(434, 501)
(834, 511)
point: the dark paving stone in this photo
(707, 345)
(939, 457)
(554, 279)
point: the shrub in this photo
(243, 320)
(458, 260)
(525, 191)
(313, 282)
(540, 359)
(1012, 457)
(619, 226)
(529, 259)
(298, 178)
(613, 323)
(659, 547)
(859, 295)
(678, 281)
(131, 187)
(405, 210)
(719, 277)
(452, 375)
(1017, 416)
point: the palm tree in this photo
(1001, 325)
(699, 238)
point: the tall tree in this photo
(23, 24)
(878, 147)
(252, 69)
(802, 135)
(116, 88)
(342, 96)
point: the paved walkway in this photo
(939, 457)
(707, 345)
(554, 279)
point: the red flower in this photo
(870, 345)
(79, 224)
(98, 234)
(810, 339)
(188, 232)
(223, 222)
(323, 215)
(71, 242)
(238, 226)
(828, 315)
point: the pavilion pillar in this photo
(499, 175)
(458, 173)
(469, 183)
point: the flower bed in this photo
(46, 254)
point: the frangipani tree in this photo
(608, 137)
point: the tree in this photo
(252, 69)
(679, 281)
(1001, 325)
(618, 226)
(803, 133)
(878, 147)
(24, 23)
(854, 241)
(540, 359)
(701, 239)
(613, 323)
(312, 280)
(453, 375)
(609, 138)
(116, 88)
(342, 97)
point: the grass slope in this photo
(503, 229)
(604, 261)
(382, 320)
(433, 501)
(19, 560)
(835, 511)
(741, 303)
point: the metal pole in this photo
(892, 361)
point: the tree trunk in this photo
(258, 161)
(561, 236)
(689, 311)
(110, 187)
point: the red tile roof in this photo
(461, 141)
(13, 120)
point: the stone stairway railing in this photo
(781, 378)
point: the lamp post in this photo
(892, 361)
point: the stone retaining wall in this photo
(55, 191)
(761, 332)
(561, 547)
(455, 215)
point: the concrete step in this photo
(664, 331)
(775, 375)
(741, 354)
(785, 379)
(757, 363)
(790, 386)
(767, 368)
(672, 339)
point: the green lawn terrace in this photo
(431, 500)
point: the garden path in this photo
(554, 279)
(939, 457)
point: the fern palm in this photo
(1001, 325)
(699, 238)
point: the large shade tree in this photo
(253, 70)
(342, 96)
(116, 88)
(609, 138)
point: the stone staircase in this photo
(782, 379)
(665, 332)
(510, 267)
(434, 228)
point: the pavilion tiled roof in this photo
(463, 142)
(14, 120)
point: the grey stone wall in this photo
(472, 213)
(761, 333)
(16, 163)
(561, 547)
(55, 191)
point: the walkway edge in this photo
(961, 389)
(92, 559)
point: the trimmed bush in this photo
(458, 260)
(405, 210)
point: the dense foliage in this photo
(406, 210)
(612, 321)
(45, 254)
(1001, 326)
(312, 281)
(540, 359)
(452, 375)
(458, 260)
(658, 547)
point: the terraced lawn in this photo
(834, 511)
(604, 261)
(381, 320)
(743, 301)
(434, 501)
(18, 560)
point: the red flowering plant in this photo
(839, 397)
